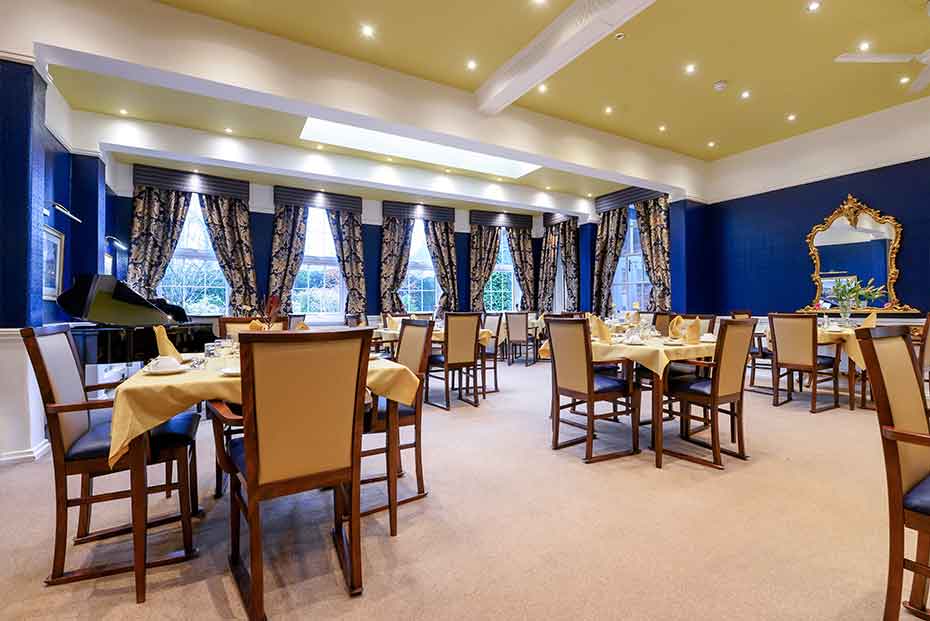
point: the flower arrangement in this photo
(849, 292)
(269, 311)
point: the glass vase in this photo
(845, 312)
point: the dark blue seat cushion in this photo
(681, 368)
(604, 383)
(606, 369)
(437, 360)
(177, 432)
(93, 444)
(918, 499)
(405, 414)
(237, 453)
(825, 361)
(690, 384)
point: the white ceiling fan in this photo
(919, 84)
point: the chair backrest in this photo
(294, 320)
(660, 322)
(741, 314)
(899, 399)
(422, 316)
(733, 344)
(570, 348)
(492, 322)
(60, 377)
(924, 358)
(461, 336)
(794, 338)
(232, 327)
(414, 343)
(707, 322)
(517, 326)
(354, 320)
(384, 317)
(303, 395)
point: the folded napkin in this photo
(601, 330)
(636, 317)
(256, 326)
(301, 326)
(870, 322)
(165, 346)
(676, 327)
(693, 332)
(393, 323)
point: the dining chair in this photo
(491, 351)
(573, 376)
(924, 351)
(897, 385)
(232, 327)
(384, 318)
(79, 434)
(356, 320)
(794, 348)
(422, 316)
(413, 350)
(459, 355)
(758, 351)
(708, 322)
(302, 430)
(724, 387)
(660, 322)
(520, 338)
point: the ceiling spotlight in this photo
(813, 7)
(319, 147)
(690, 68)
(609, 110)
(322, 189)
(472, 64)
(123, 111)
(590, 195)
(662, 128)
(498, 179)
(619, 36)
(745, 95)
(711, 144)
(548, 187)
(196, 170)
(228, 130)
(542, 88)
(792, 117)
(904, 79)
(448, 170)
(539, 2)
(865, 46)
(390, 159)
(368, 31)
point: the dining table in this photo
(391, 335)
(845, 337)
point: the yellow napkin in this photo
(693, 332)
(675, 327)
(601, 330)
(636, 316)
(393, 323)
(871, 321)
(165, 346)
(301, 326)
(256, 326)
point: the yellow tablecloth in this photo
(654, 355)
(389, 336)
(847, 336)
(145, 401)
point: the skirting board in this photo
(31, 454)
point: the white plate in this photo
(230, 372)
(166, 371)
(703, 340)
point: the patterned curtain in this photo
(611, 233)
(347, 234)
(568, 244)
(227, 221)
(652, 216)
(485, 242)
(440, 239)
(288, 237)
(547, 268)
(157, 219)
(521, 250)
(395, 255)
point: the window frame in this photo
(419, 266)
(326, 262)
(637, 289)
(502, 266)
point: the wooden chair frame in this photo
(761, 353)
(817, 375)
(88, 469)
(345, 482)
(523, 343)
(470, 369)
(491, 356)
(631, 402)
(899, 518)
(226, 321)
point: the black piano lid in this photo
(104, 299)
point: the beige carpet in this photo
(514, 530)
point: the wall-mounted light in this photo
(116, 242)
(64, 210)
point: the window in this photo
(631, 283)
(502, 293)
(418, 291)
(559, 297)
(319, 288)
(194, 279)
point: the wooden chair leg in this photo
(87, 490)
(776, 382)
(917, 602)
(740, 431)
(752, 372)
(732, 422)
(235, 522)
(553, 416)
(715, 432)
(484, 377)
(814, 392)
(634, 417)
(61, 526)
(140, 497)
(418, 457)
(194, 484)
(256, 563)
(836, 387)
(895, 582)
(184, 499)
(448, 394)
(169, 477)
(220, 482)
(684, 421)
(355, 540)
(589, 439)
(496, 387)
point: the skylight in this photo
(351, 137)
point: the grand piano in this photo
(119, 322)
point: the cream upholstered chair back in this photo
(303, 393)
(414, 344)
(732, 350)
(232, 327)
(707, 322)
(462, 337)
(569, 346)
(794, 338)
(741, 314)
(899, 395)
(422, 316)
(925, 347)
(492, 322)
(517, 325)
(58, 373)
(660, 321)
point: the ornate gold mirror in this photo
(855, 243)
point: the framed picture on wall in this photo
(53, 256)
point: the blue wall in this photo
(587, 237)
(463, 270)
(119, 225)
(691, 252)
(371, 251)
(262, 226)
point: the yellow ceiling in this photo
(108, 95)
(775, 48)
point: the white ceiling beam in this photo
(572, 33)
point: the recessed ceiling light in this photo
(609, 110)
(590, 195)
(498, 179)
(472, 64)
(904, 79)
(322, 189)
(662, 128)
(123, 111)
(690, 68)
(813, 7)
(745, 95)
(711, 144)
(865, 46)
(542, 88)
(539, 2)
(368, 31)
(196, 170)
(319, 147)
(390, 159)
(548, 187)
(619, 36)
(792, 117)
(448, 170)
(228, 130)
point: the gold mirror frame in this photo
(852, 209)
